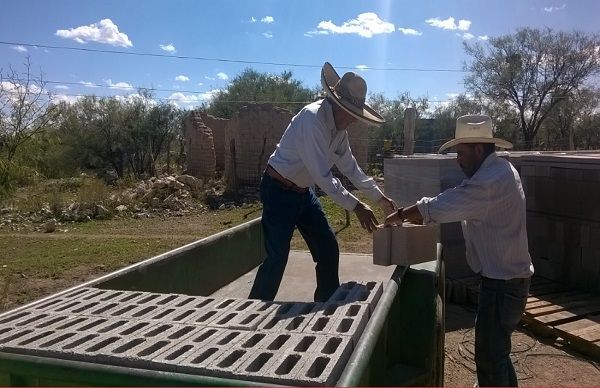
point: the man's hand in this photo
(365, 216)
(387, 205)
(393, 219)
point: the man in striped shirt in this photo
(490, 204)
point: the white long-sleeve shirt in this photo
(491, 208)
(308, 149)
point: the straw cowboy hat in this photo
(474, 129)
(349, 92)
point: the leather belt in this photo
(286, 183)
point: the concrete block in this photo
(368, 293)
(343, 293)
(17, 318)
(326, 367)
(289, 317)
(352, 322)
(324, 319)
(404, 245)
(285, 368)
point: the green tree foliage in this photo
(527, 68)
(565, 122)
(393, 129)
(26, 110)
(126, 136)
(252, 86)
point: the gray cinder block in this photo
(351, 321)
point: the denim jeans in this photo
(283, 210)
(500, 307)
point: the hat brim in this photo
(329, 78)
(470, 140)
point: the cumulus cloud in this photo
(362, 67)
(267, 35)
(409, 31)
(267, 19)
(483, 37)
(183, 100)
(222, 76)
(88, 84)
(554, 8)
(168, 48)
(253, 19)
(449, 24)
(20, 49)
(365, 25)
(62, 87)
(182, 78)
(104, 31)
(118, 85)
(66, 99)
(466, 36)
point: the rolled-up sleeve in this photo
(468, 201)
(312, 151)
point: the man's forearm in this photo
(412, 214)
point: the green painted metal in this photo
(400, 345)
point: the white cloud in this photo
(88, 84)
(310, 34)
(208, 95)
(104, 31)
(20, 49)
(118, 85)
(365, 25)
(168, 48)
(449, 24)
(189, 100)
(483, 37)
(362, 67)
(466, 35)
(452, 95)
(554, 8)
(409, 31)
(267, 19)
(62, 87)
(267, 35)
(67, 99)
(210, 78)
(182, 78)
(200, 83)
(253, 19)
(222, 76)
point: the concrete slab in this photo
(299, 282)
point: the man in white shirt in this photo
(313, 142)
(490, 204)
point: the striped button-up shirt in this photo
(308, 149)
(491, 208)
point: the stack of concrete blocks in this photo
(271, 342)
(410, 178)
(199, 147)
(404, 245)
(563, 217)
(219, 127)
(253, 134)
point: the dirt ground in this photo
(538, 362)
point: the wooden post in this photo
(410, 117)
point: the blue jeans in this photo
(500, 307)
(283, 210)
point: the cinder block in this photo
(404, 245)
(343, 293)
(368, 292)
(289, 317)
(22, 317)
(324, 319)
(284, 369)
(325, 367)
(351, 321)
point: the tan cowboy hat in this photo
(474, 129)
(349, 92)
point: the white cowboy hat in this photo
(349, 92)
(474, 129)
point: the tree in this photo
(570, 110)
(528, 68)
(251, 86)
(26, 110)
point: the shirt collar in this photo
(491, 158)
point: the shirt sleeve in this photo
(313, 150)
(467, 201)
(348, 166)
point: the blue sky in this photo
(365, 35)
